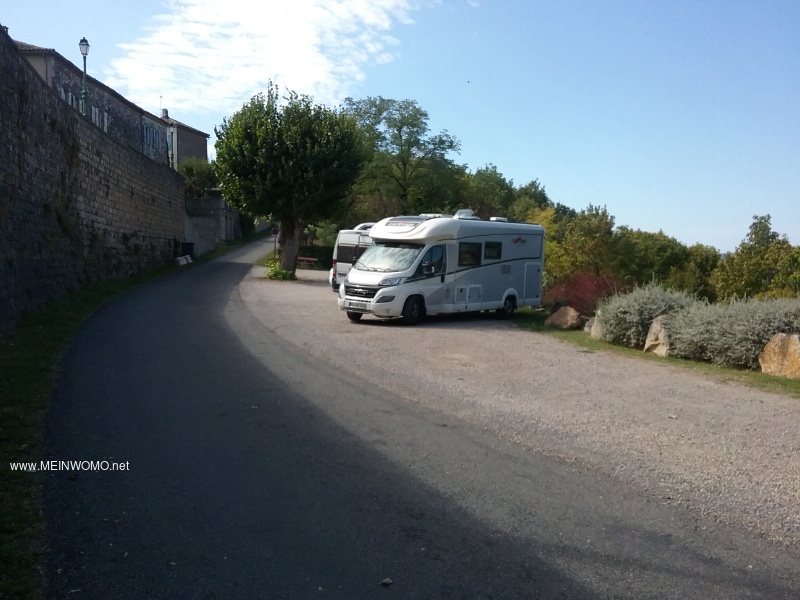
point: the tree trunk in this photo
(291, 228)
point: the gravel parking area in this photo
(727, 451)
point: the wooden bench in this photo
(306, 261)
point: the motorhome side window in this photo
(345, 254)
(469, 254)
(433, 262)
(493, 250)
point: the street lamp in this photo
(84, 46)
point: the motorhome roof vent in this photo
(500, 219)
(433, 215)
(466, 213)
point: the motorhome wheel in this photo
(413, 310)
(509, 306)
(354, 316)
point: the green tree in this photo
(294, 161)
(527, 198)
(588, 241)
(761, 265)
(402, 149)
(198, 175)
(694, 276)
(787, 279)
(557, 265)
(487, 193)
(642, 256)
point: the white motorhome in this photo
(434, 264)
(350, 245)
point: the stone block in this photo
(597, 328)
(566, 317)
(657, 340)
(781, 356)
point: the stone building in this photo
(209, 220)
(80, 201)
(183, 141)
(122, 120)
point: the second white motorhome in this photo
(432, 264)
(350, 245)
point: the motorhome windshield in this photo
(389, 257)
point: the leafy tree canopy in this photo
(403, 152)
(643, 256)
(764, 264)
(294, 161)
(198, 175)
(588, 240)
(488, 193)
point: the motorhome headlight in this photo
(392, 281)
(384, 299)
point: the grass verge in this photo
(29, 357)
(533, 320)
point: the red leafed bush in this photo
(582, 292)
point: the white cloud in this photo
(205, 56)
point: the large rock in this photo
(588, 327)
(597, 328)
(781, 356)
(565, 317)
(657, 340)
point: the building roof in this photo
(26, 48)
(170, 121)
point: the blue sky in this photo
(679, 116)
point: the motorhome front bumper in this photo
(381, 302)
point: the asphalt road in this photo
(241, 486)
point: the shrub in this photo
(274, 271)
(582, 291)
(626, 318)
(691, 330)
(734, 334)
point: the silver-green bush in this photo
(691, 331)
(626, 318)
(731, 335)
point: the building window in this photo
(105, 122)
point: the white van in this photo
(350, 245)
(432, 264)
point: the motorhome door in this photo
(431, 273)
(533, 284)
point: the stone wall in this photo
(210, 222)
(76, 207)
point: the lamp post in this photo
(84, 46)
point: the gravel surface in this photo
(725, 450)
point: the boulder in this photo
(657, 340)
(588, 327)
(565, 317)
(597, 328)
(781, 356)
